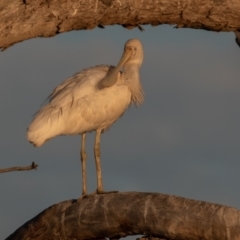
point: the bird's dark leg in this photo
(97, 153)
(83, 155)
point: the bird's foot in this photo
(96, 192)
(83, 196)
(105, 192)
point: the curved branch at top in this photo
(26, 19)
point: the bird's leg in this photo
(97, 153)
(83, 155)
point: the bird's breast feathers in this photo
(99, 109)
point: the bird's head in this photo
(133, 54)
(133, 48)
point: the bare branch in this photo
(21, 20)
(117, 215)
(149, 237)
(32, 166)
(237, 39)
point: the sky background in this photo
(184, 140)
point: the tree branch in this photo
(32, 166)
(117, 215)
(237, 39)
(26, 19)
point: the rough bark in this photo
(117, 215)
(31, 167)
(25, 19)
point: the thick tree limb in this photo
(32, 166)
(25, 19)
(117, 215)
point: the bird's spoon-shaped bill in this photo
(110, 79)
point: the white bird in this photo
(91, 100)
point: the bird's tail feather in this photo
(44, 126)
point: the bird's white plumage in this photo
(80, 104)
(92, 99)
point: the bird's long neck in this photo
(132, 80)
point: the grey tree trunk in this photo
(25, 19)
(117, 215)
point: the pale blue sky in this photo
(184, 140)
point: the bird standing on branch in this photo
(91, 100)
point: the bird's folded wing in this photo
(79, 85)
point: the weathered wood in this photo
(117, 215)
(25, 19)
(31, 167)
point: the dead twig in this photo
(32, 166)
